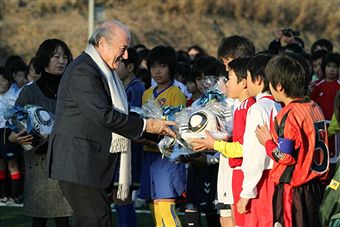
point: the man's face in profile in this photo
(114, 50)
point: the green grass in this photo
(14, 217)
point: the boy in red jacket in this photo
(297, 142)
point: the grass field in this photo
(14, 217)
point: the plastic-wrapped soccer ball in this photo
(198, 122)
(41, 120)
(37, 121)
(166, 146)
(202, 120)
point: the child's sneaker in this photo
(14, 202)
(140, 203)
(3, 201)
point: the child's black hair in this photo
(183, 69)
(239, 66)
(325, 43)
(293, 48)
(256, 66)
(197, 48)
(318, 54)
(206, 65)
(11, 60)
(163, 55)
(143, 55)
(221, 72)
(6, 74)
(133, 58)
(18, 67)
(327, 58)
(235, 47)
(144, 76)
(183, 56)
(139, 47)
(291, 71)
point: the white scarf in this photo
(119, 144)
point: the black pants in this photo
(91, 206)
(59, 222)
(300, 204)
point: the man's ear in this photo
(101, 43)
(130, 67)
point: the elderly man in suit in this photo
(92, 125)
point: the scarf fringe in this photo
(123, 191)
(119, 145)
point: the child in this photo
(322, 44)
(330, 206)
(203, 66)
(19, 71)
(334, 129)
(161, 180)
(257, 187)
(32, 73)
(234, 47)
(202, 177)
(324, 92)
(237, 89)
(134, 91)
(193, 89)
(144, 77)
(230, 48)
(9, 152)
(298, 131)
(334, 125)
(317, 76)
(316, 60)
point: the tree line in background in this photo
(178, 23)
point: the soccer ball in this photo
(198, 122)
(38, 122)
(41, 120)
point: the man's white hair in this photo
(108, 29)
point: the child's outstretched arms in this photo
(204, 144)
(228, 149)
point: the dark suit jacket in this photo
(80, 140)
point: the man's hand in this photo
(21, 137)
(263, 134)
(160, 127)
(203, 144)
(242, 205)
(284, 39)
